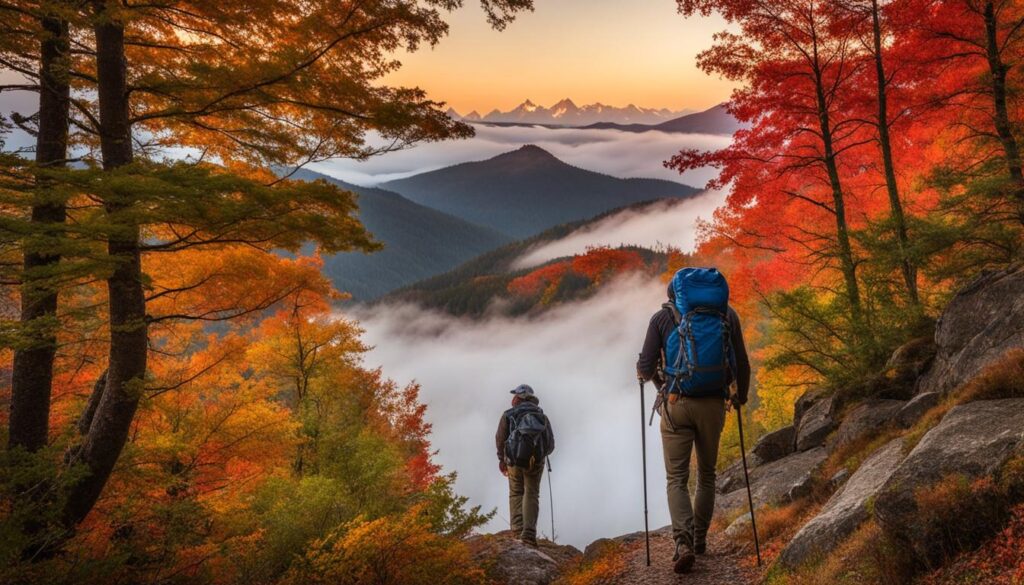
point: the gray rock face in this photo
(815, 425)
(846, 510)
(983, 320)
(804, 403)
(507, 560)
(973, 439)
(868, 417)
(771, 447)
(915, 408)
(775, 482)
(731, 478)
(775, 445)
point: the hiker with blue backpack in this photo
(524, 441)
(693, 352)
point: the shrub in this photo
(1004, 378)
(606, 569)
(866, 556)
(956, 514)
(395, 550)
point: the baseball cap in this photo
(522, 389)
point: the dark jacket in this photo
(528, 402)
(662, 324)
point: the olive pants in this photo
(524, 500)
(691, 424)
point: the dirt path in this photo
(718, 566)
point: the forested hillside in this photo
(418, 242)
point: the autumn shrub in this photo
(956, 514)
(1004, 378)
(866, 556)
(606, 569)
(999, 561)
(402, 549)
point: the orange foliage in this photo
(598, 263)
(398, 550)
(539, 280)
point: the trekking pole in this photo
(746, 476)
(643, 448)
(551, 501)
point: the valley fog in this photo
(580, 359)
(659, 225)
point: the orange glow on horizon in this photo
(586, 50)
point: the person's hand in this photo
(503, 468)
(736, 401)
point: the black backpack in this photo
(526, 444)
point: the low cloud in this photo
(581, 361)
(621, 154)
(670, 223)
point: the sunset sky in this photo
(615, 52)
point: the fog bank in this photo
(581, 361)
(669, 223)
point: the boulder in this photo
(915, 408)
(869, 416)
(805, 402)
(983, 321)
(839, 478)
(771, 447)
(972, 440)
(731, 478)
(776, 482)
(815, 425)
(507, 560)
(846, 510)
(739, 527)
(775, 445)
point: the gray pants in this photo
(691, 424)
(524, 500)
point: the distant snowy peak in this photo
(567, 113)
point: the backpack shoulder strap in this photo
(677, 317)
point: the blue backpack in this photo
(699, 360)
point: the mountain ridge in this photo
(566, 112)
(525, 191)
(418, 242)
(715, 120)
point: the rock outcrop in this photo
(915, 408)
(846, 510)
(508, 561)
(775, 445)
(972, 440)
(776, 482)
(867, 417)
(815, 424)
(770, 447)
(981, 322)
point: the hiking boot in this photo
(683, 560)
(700, 548)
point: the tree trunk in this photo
(111, 422)
(32, 374)
(998, 69)
(845, 251)
(895, 205)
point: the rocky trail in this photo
(721, 564)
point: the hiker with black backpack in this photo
(524, 440)
(693, 352)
